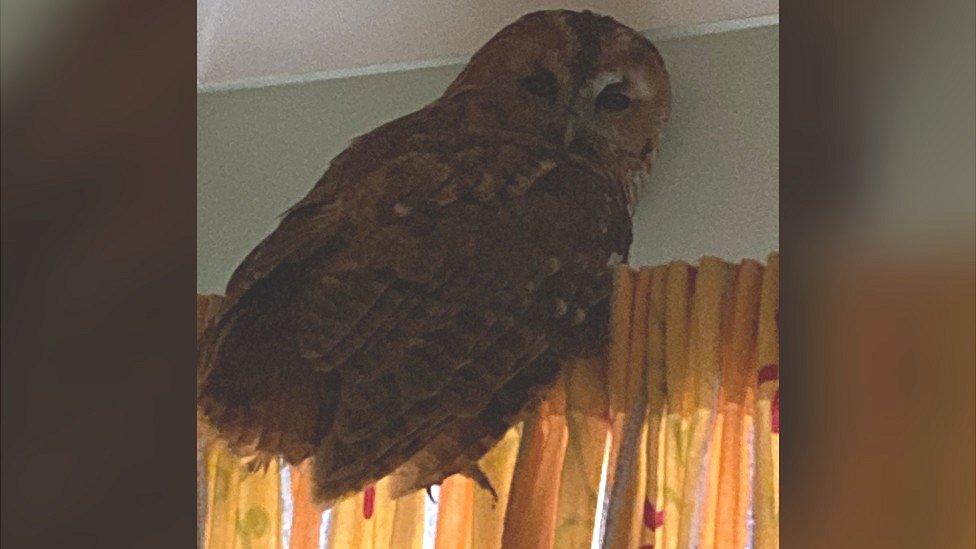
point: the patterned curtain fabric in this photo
(672, 442)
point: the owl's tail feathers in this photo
(255, 389)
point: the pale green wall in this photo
(715, 189)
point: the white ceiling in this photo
(242, 41)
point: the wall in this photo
(715, 189)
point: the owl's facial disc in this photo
(578, 80)
(623, 101)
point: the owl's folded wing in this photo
(410, 299)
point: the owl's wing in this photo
(430, 279)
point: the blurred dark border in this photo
(98, 232)
(877, 274)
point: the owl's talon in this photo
(475, 473)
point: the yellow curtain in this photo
(692, 376)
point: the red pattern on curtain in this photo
(694, 352)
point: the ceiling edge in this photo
(657, 35)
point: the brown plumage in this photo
(411, 306)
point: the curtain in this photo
(672, 441)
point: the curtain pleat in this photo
(656, 387)
(306, 517)
(635, 495)
(730, 464)
(677, 314)
(626, 477)
(259, 508)
(738, 485)
(587, 425)
(619, 362)
(694, 350)
(766, 484)
(408, 522)
(244, 507)
(489, 514)
(455, 513)
(223, 487)
(530, 518)
(372, 519)
(703, 362)
(346, 525)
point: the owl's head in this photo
(576, 79)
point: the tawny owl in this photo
(415, 302)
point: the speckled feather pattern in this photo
(418, 299)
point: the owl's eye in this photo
(612, 100)
(541, 83)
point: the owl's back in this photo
(413, 303)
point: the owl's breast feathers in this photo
(412, 304)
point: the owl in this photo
(415, 304)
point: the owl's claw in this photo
(259, 463)
(431, 495)
(475, 473)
